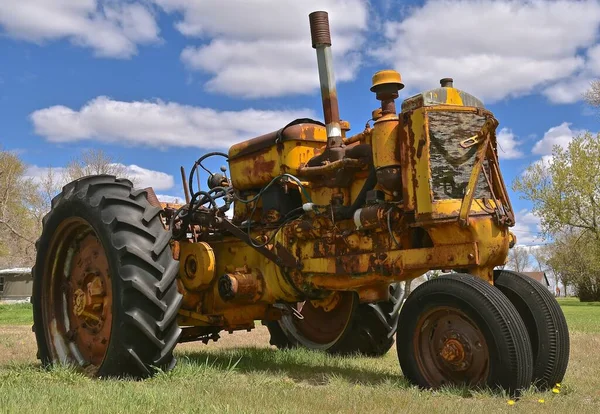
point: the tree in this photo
(518, 258)
(575, 260)
(566, 193)
(25, 201)
(566, 196)
(94, 161)
(18, 229)
(592, 95)
(540, 255)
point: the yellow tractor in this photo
(311, 233)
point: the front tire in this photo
(104, 293)
(459, 330)
(545, 322)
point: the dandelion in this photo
(541, 401)
(511, 402)
(555, 390)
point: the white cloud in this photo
(545, 162)
(170, 199)
(572, 89)
(149, 178)
(559, 135)
(507, 145)
(527, 228)
(493, 49)
(263, 49)
(157, 123)
(111, 28)
(143, 177)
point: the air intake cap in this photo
(447, 82)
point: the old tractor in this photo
(310, 232)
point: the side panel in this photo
(415, 166)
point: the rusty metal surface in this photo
(300, 132)
(321, 41)
(360, 137)
(152, 198)
(415, 168)
(184, 182)
(319, 28)
(319, 326)
(91, 300)
(449, 348)
(280, 257)
(331, 167)
(197, 265)
(77, 309)
(241, 286)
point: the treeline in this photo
(565, 192)
(24, 200)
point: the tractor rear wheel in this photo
(460, 330)
(545, 322)
(105, 298)
(348, 328)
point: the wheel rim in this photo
(77, 299)
(450, 348)
(320, 329)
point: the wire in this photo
(262, 190)
(389, 225)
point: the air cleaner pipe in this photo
(321, 41)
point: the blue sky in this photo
(156, 83)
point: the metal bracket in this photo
(469, 142)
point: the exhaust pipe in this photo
(321, 41)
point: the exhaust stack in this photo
(321, 41)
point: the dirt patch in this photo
(257, 338)
(17, 344)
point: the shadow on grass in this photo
(295, 365)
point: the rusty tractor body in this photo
(324, 227)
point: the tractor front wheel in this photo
(545, 324)
(459, 330)
(104, 293)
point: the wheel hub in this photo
(80, 295)
(450, 348)
(88, 305)
(453, 352)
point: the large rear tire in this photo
(105, 297)
(351, 328)
(459, 330)
(545, 322)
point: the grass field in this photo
(242, 373)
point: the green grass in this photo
(16, 314)
(260, 380)
(581, 316)
(241, 379)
